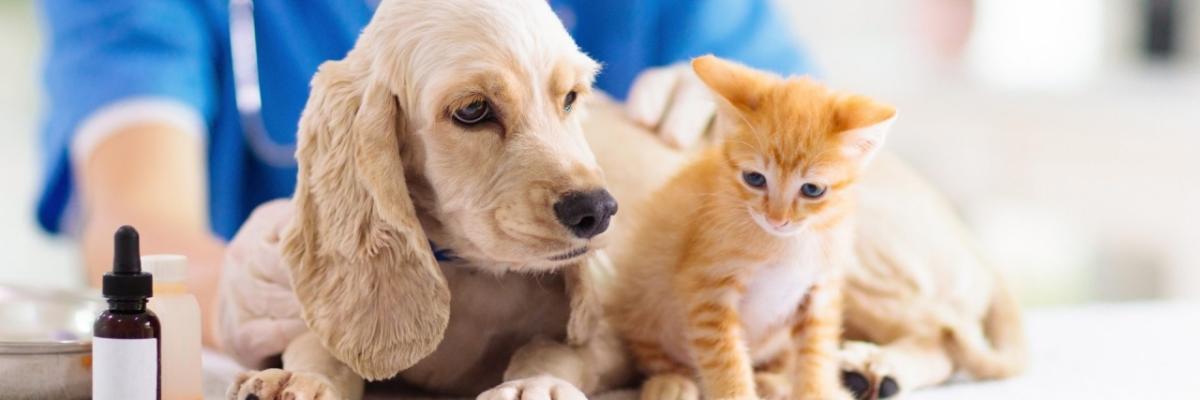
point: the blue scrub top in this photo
(100, 52)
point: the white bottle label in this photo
(124, 369)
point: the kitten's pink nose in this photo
(778, 223)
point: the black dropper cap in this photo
(127, 281)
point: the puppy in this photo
(921, 301)
(455, 126)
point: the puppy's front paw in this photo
(278, 384)
(866, 373)
(542, 387)
(670, 387)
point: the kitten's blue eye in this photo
(754, 179)
(812, 190)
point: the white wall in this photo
(27, 256)
(1084, 187)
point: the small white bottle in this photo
(179, 313)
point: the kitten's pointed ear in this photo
(740, 85)
(863, 124)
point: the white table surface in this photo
(1100, 351)
(1110, 351)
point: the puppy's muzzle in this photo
(586, 214)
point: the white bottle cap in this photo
(166, 268)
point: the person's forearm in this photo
(151, 176)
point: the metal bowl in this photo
(46, 343)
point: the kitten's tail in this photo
(997, 348)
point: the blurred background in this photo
(1066, 131)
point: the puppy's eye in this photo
(812, 190)
(474, 113)
(754, 179)
(569, 101)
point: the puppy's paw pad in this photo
(306, 386)
(500, 393)
(868, 371)
(536, 388)
(260, 385)
(670, 387)
(857, 384)
(888, 387)
(278, 384)
(870, 387)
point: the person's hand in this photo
(673, 102)
(259, 312)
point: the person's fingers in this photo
(690, 115)
(273, 210)
(651, 94)
(673, 102)
(255, 341)
(267, 264)
(267, 300)
(260, 281)
(256, 295)
(255, 253)
(259, 312)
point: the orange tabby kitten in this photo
(732, 276)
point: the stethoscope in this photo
(243, 50)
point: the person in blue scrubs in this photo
(143, 126)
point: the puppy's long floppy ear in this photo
(361, 266)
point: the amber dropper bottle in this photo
(125, 342)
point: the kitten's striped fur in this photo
(735, 288)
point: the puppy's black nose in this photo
(586, 214)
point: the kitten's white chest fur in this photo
(775, 290)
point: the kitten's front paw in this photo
(831, 391)
(542, 387)
(278, 384)
(772, 386)
(670, 387)
(866, 373)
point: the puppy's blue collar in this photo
(442, 254)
